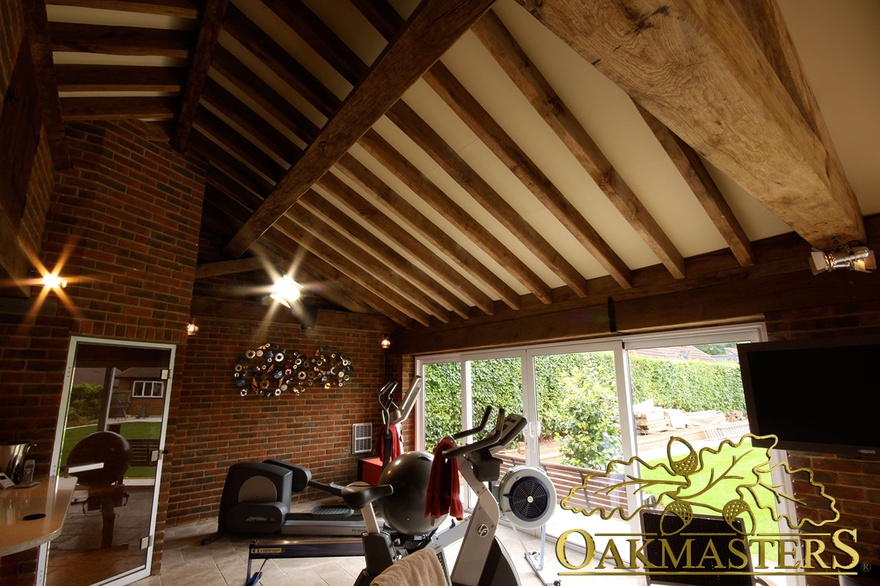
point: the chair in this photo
(99, 461)
(699, 532)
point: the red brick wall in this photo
(128, 215)
(125, 223)
(212, 426)
(853, 482)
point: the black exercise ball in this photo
(404, 510)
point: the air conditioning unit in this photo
(361, 438)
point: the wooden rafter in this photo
(221, 99)
(249, 83)
(695, 174)
(457, 216)
(203, 55)
(435, 26)
(228, 267)
(479, 189)
(499, 142)
(108, 78)
(120, 40)
(320, 37)
(255, 40)
(241, 147)
(387, 272)
(177, 8)
(408, 215)
(550, 106)
(103, 108)
(345, 266)
(381, 15)
(47, 85)
(378, 245)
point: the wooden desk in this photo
(51, 497)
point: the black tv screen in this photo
(817, 395)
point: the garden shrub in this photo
(85, 404)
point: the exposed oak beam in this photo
(354, 273)
(40, 45)
(176, 8)
(408, 215)
(458, 217)
(276, 58)
(388, 273)
(119, 40)
(309, 272)
(229, 267)
(320, 37)
(153, 108)
(250, 84)
(108, 78)
(221, 99)
(696, 67)
(432, 29)
(381, 15)
(379, 246)
(235, 143)
(209, 32)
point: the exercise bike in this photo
(482, 559)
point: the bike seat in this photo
(358, 495)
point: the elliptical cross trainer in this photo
(482, 559)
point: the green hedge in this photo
(687, 385)
(577, 396)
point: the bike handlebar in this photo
(478, 428)
(506, 428)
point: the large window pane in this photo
(578, 409)
(443, 406)
(496, 382)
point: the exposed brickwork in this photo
(853, 482)
(212, 426)
(128, 216)
(125, 223)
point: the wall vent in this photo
(361, 438)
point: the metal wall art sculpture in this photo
(270, 370)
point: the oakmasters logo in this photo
(708, 512)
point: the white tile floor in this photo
(186, 561)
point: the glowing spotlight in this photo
(285, 291)
(54, 281)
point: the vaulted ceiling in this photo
(436, 160)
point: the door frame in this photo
(75, 341)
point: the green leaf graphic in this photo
(739, 478)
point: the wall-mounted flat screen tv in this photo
(817, 395)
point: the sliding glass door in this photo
(579, 403)
(590, 403)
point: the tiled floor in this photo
(186, 561)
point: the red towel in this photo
(396, 442)
(443, 495)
